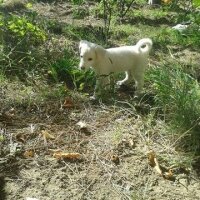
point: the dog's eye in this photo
(81, 56)
(89, 59)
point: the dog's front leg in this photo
(102, 83)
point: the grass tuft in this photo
(178, 96)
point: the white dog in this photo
(130, 59)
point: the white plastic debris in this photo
(180, 27)
(82, 125)
(29, 198)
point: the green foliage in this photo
(77, 2)
(79, 13)
(196, 3)
(112, 11)
(21, 27)
(21, 38)
(66, 70)
(178, 94)
(189, 37)
(90, 33)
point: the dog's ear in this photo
(99, 51)
(80, 44)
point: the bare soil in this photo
(113, 147)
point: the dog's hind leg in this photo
(139, 81)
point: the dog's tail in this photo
(147, 42)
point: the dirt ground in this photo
(109, 147)
(113, 160)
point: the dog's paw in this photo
(93, 98)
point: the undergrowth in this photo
(66, 70)
(177, 95)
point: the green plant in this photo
(79, 12)
(66, 70)
(20, 27)
(20, 39)
(178, 94)
(77, 2)
(110, 10)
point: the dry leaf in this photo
(168, 175)
(68, 103)
(21, 137)
(8, 115)
(29, 154)
(47, 135)
(151, 155)
(153, 162)
(69, 156)
(115, 159)
(165, 173)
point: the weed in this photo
(2, 76)
(90, 33)
(66, 70)
(178, 94)
(20, 37)
(79, 13)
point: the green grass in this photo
(177, 95)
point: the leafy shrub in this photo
(20, 41)
(22, 27)
(19, 29)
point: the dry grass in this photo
(118, 134)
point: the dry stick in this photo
(107, 18)
(128, 8)
(88, 187)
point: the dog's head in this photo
(89, 54)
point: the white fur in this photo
(131, 59)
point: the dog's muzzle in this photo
(81, 67)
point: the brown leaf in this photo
(68, 156)
(68, 103)
(29, 154)
(21, 137)
(47, 135)
(168, 175)
(115, 159)
(153, 162)
(151, 155)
